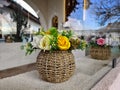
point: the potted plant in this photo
(99, 48)
(55, 61)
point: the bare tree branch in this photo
(106, 10)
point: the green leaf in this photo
(53, 43)
(68, 34)
(54, 31)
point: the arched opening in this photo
(55, 21)
(40, 9)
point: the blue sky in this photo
(90, 22)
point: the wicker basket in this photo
(100, 53)
(56, 66)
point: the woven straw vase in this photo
(100, 53)
(56, 66)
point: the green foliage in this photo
(82, 45)
(53, 42)
(68, 34)
(28, 48)
(50, 42)
(53, 31)
(93, 43)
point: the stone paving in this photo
(88, 71)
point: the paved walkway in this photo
(12, 56)
(109, 80)
(88, 71)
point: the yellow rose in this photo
(45, 43)
(63, 43)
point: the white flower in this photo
(93, 39)
(36, 41)
(45, 43)
(74, 37)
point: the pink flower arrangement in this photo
(98, 41)
(101, 41)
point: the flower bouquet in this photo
(54, 40)
(55, 62)
(99, 48)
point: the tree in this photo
(20, 20)
(107, 11)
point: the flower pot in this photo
(56, 66)
(100, 53)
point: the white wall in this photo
(47, 9)
(41, 7)
(56, 7)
